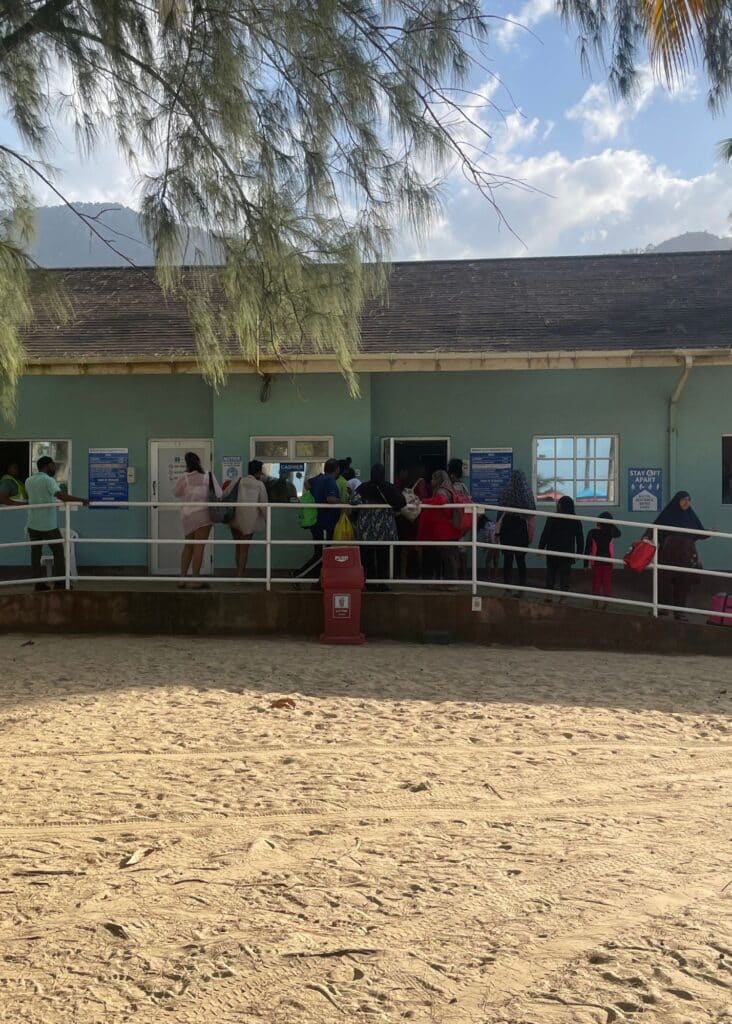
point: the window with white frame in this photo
(26, 453)
(584, 467)
(294, 459)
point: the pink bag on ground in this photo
(721, 603)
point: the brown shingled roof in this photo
(580, 303)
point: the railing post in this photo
(391, 563)
(268, 549)
(474, 547)
(655, 573)
(67, 544)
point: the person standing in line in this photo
(248, 521)
(195, 487)
(422, 487)
(679, 549)
(324, 489)
(353, 480)
(12, 488)
(435, 524)
(43, 489)
(308, 519)
(459, 491)
(377, 524)
(561, 535)
(487, 535)
(344, 471)
(513, 529)
(407, 559)
(455, 472)
(600, 545)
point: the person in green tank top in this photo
(12, 488)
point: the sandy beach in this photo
(439, 834)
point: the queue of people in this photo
(415, 509)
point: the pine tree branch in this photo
(45, 19)
(172, 91)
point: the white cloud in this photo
(602, 117)
(515, 131)
(526, 17)
(617, 199)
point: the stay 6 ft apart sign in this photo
(645, 488)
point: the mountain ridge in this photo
(64, 239)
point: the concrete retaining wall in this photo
(410, 617)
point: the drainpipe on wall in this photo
(673, 430)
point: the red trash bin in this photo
(342, 580)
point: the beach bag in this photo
(307, 517)
(461, 521)
(640, 555)
(411, 510)
(216, 511)
(343, 528)
(231, 494)
(721, 603)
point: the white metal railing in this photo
(469, 542)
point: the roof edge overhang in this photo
(585, 359)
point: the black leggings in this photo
(440, 563)
(560, 567)
(679, 588)
(508, 557)
(514, 533)
(375, 562)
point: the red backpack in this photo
(461, 521)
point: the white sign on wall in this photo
(231, 468)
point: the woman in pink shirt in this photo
(195, 486)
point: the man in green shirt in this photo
(43, 489)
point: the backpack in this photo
(230, 494)
(307, 517)
(461, 521)
(217, 513)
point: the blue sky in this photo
(619, 175)
(607, 175)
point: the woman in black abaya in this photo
(679, 549)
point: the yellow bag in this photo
(343, 528)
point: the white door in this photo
(387, 456)
(167, 463)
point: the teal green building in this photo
(581, 369)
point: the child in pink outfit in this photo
(600, 545)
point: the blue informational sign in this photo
(490, 470)
(645, 490)
(108, 475)
(291, 467)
